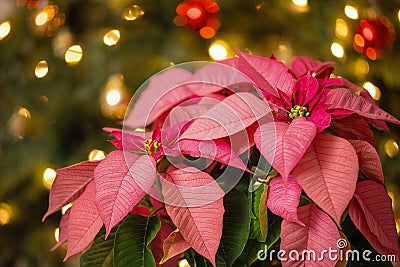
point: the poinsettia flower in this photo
(308, 102)
(165, 141)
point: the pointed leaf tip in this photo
(284, 198)
(69, 184)
(328, 173)
(84, 222)
(194, 202)
(318, 234)
(122, 179)
(283, 145)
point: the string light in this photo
(133, 12)
(218, 50)
(96, 154)
(5, 29)
(183, 263)
(65, 208)
(48, 177)
(41, 69)
(337, 50)
(351, 12)
(372, 90)
(73, 55)
(391, 148)
(6, 213)
(57, 234)
(341, 29)
(111, 37)
(300, 3)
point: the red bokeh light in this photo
(372, 36)
(200, 16)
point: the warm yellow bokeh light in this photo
(24, 113)
(361, 66)
(398, 226)
(48, 177)
(183, 263)
(351, 12)
(300, 3)
(111, 37)
(398, 15)
(74, 54)
(218, 50)
(337, 50)
(113, 97)
(41, 69)
(6, 213)
(391, 148)
(341, 29)
(372, 90)
(41, 18)
(57, 234)
(133, 12)
(65, 208)
(96, 154)
(5, 29)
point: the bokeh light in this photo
(300, 3)
(132, 13)
(183, 263)
(372, 90)
(57, 234)
(24, 112)
(341, 30)
(113, 97)
(5, 29)
(41, 69)
(218, 50)
(96, 154)
(351, 12)
(6, 213)
(48, 177)
(73, 55)
(65, 208)
(111, 37)
(391, 148)
(337, 50)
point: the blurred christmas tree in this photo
(69, 67)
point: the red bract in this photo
(313, 130)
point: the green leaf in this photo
(274, 229)
(262, 213)
(100, 253)
(132, 241)
(253, 246)
(250, 252)
(200, 261)
(236, 227)
(255, 230)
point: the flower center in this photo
(298, 112)
(151, 146)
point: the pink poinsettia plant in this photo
(233, 161)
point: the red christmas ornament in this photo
(200, 16)
(372, 36)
